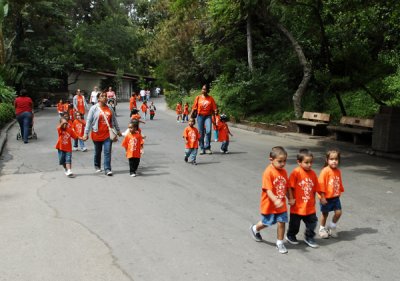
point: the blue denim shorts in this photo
(64, 157)
(332, 205)
(272, 219)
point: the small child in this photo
(273, 202)
(66, 116)
(144, 108)
(303, 184)
(215, 121)
(132, 101)
(79, 127)
(185, 113)
(191, 136)
(71, 112)
(152, 109)
(64, 146)
(136, 116)
(60, 108)
(66, 105)
(330, 181)
(178, 110)
(223, 134)
(133, 144)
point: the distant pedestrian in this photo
(303, 185)
(60, 108)
(144, 109)
(132, 101)
(148, 94)
(79, 126)
(24, 113)
(185, 116)
(79, 103)
(152, 109)
(191, 136)
(330, 181)
(273, 198)
(93, 95)
(215, 122)
(64, 146)
(224, 133)
(178, 110)
(133, 144)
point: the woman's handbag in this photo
(112, 131)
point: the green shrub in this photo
(7, 94)
(6, 113)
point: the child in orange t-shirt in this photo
(178, 110)
(79, 127)
(132, 101)
(66, 116)
(191, 136)
(185, 116)
(133, 144)
(330, 181)
(144, 108)
(60, 108)
(216, 118)
(303, 184)
(64, 145)
(223, 133)
(273, 202)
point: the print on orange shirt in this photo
(132, 144)
(330, 181)
(192, 136)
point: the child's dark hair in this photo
(192, 119)
(328, 154)
(277, 151)
(303, 153)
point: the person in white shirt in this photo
(142, 95)
(93, 95)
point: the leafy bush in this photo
(7, 94)
(6, 113)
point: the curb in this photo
(3, 134)
(320, 140)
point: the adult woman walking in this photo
(23, 110)
(99, 119)
(205, 106)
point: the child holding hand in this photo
(223, 133)
(191, 136)
(133, 144)
(303, 184)
(273, 201)
(79, 127)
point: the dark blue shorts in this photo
(332, 205)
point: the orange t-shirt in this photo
(178, 108)
(330, 181)
(304, 185)
(144, 107)
(192, 136)
(186, 109)
(204, 105)
(223, 131)
(132, 144)
(66, 107)
(275, 180)
(64, 139)
(102, 132)
(79, 127)
(60, 107)
(80, 104)
(136, 116)
(132, 103)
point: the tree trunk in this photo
(2, 49)
(307, 71)
(249, 43)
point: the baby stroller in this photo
(112, 102)
(32, 133)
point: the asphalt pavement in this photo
(176, 221)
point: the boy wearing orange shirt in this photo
(330, 180)
(303, 184)
(185, 116)
(178, 110)
(191, 136)
(64, 145)
(144, 108)
(223, 133)
(273, 201)
(79, 127)
(132, 101)
(60, 108)
(133, 144)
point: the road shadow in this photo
(207, 163)
(149, 174)
(348, 235)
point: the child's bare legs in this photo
(280, 231)
(324, 217)
(260, 226)
(336, 216)
(68, 166)
(330, 230)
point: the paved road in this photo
(177, 221)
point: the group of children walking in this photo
(300, 188)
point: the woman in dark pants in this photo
(23, 111)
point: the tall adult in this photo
(79, 103)
(99, 118)
(142, 94)
(206, 107)
(93, 95)
(24, 113)
(111, 94)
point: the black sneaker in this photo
(109, 173)
(311, 242)
(292, 240)
(202, 152)
(256, 235)
(194, 162)
(186, 158)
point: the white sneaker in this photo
(83, 149)
(323, 233)
(97, 169)
(69, 173)
(75, 148)
(133, 175)
(332, 232)
(281, 248)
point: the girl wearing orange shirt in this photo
(60, 108)
(144, 108)
(330, 181)
(178, 110)
(79, 126)
(133, 144)
(64, 145)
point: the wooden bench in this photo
(315, 121)
(358, 128)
